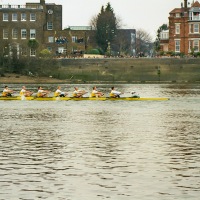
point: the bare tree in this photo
(119, 22)
(143, 42)
(93, 22)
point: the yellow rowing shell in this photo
(85, 98)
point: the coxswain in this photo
(134, 95)
(96, 93)
(59, 93)
(25, 92)
(42, 93)
(114, 93)
(7, 92)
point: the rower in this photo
(114, 93)
(25, 92)
(7, 92)
(96, 93)
(42, 93)
(59, 93)
(78, 93)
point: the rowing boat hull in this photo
(84, 98)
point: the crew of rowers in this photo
(59, 93)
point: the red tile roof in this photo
(196, 4)
(178, 10)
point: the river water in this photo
(94, 150)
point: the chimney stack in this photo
(185, 3)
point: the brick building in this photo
(43, 22)
(183, 35)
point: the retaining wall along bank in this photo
(130, 70)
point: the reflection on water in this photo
(103, 150)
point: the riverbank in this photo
(89, 71)
(21, 79)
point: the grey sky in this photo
(145, 14)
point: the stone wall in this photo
(129, 70)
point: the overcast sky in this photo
(145, 14)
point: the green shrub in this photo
(45, 53)
(162, 53)
(198, 54)
(93, 51)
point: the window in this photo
(177, 15)
(164, 35)
(196, 45)
(6, 51)
(32, 17)
(196, 16)
(24, 52)
(61, 50)
(14, 33)
(190, 46)
(74, 39)
(23, 33)
(14, 50)
(50, 39)
(32, 52)
(196, 28)
(32, 33)
(14, 17)
(5, 33)
(177, 28)
(5, 16)
(190, 28)
(23, 17)
(177, 45)
(49, 25)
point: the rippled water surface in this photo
(93, 150)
